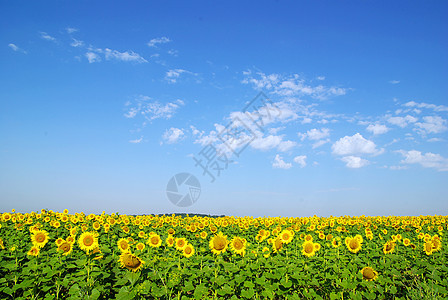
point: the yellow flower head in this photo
(88, 241)
(218, 243)
(308, 249)
(39, 238)
(369, 274)
(188, 250)
(238, 245)
(131, 262)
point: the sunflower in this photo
(96, 225)
(266, 252)
(238, 245)
(141, 234)
(154, 240)
(140, 246)
(406, 242)
(34, 251)
(171, 231)
(218, 243)
(123, 245)
(39, 238)
(88, 241)
(354, 244)
(70, 239)
(427, 248)
(317, 246)
(203, 235)
(188, 250)
(287, 236)
(336, 242)
(369, 274)
(308, 248)
(308, 238)
(436, 243)
(389, 247)
(131, 262)
(66, 248)
(170, 241)
(2, 245)
(59, 241)
(277, 244)
(180, 243)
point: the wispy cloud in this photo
(394, 81)
(293, 85)
(16, 48)
(151, 109)
(92, 57)
(354, 162)
(431, 124)
(71, 30)
(279, 163)
(173, 135)
(128, 56)
(46, 36)
(301, 160)
(427, 160)
(156, 41)
(377, 129)
(77, 43)
(136, 141)
(173, 75)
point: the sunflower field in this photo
(51, 255)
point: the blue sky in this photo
(102, 102)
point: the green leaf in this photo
(200, 291)
(248, 293)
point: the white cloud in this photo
(320, 78)
(292, 85)
(173, 135)
(152, 110)
(156, 41)
(280, 164)
(320, 143)
(93, 57)
(427, 160)
(47, 37)
(433, 140)
(377, 129)
(301, 160)
(427, 106)
(172, 75)
(354, 162)
(431, 124)
(402, 121)
(124, 56)
(355, 144)
(71, 30)
(137, 141)
(77, 43)
(394, 81)
(286, 145)
(315, 134)
(16, 48)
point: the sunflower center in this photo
(368, 273)
(88, 241)
(237, 244)
(219, 243)
(354, 244)
(154, 240)
(388, 247)
(180, 243)
(65, 247)
(40, 238)
(285, 236)
(309, 248)
(278, 244)
(187, 250)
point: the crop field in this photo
(51, 255)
